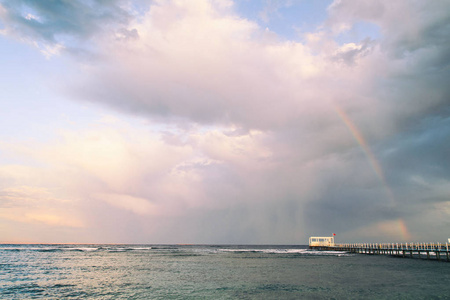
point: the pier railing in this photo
(438, 251)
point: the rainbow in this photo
(374, 164)
(366, 149)
(403, 229)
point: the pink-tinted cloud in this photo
(251, 137)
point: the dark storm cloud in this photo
(60, 22)
(416, 166)
(423, 150)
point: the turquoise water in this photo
(213, 272)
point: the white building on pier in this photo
(321, 241)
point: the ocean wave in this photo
(286, 251)
(48, 249)
(174, 249)
(11, 249)
(124, 249)
(165, 247)
(81, 249)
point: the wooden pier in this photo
(435, 251)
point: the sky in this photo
(224, 122)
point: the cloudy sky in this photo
(135, 121)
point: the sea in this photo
(213, 272)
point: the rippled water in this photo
(213, 272)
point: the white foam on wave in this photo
(337, 253)
(42, 248)
(274, 251)
(13, 248)
(87, 249)
(141, 248)
(25, 248)
(116, 249)
(288, 251)
(123, 249)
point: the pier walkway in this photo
(436, 251)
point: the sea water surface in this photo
(213, 272)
